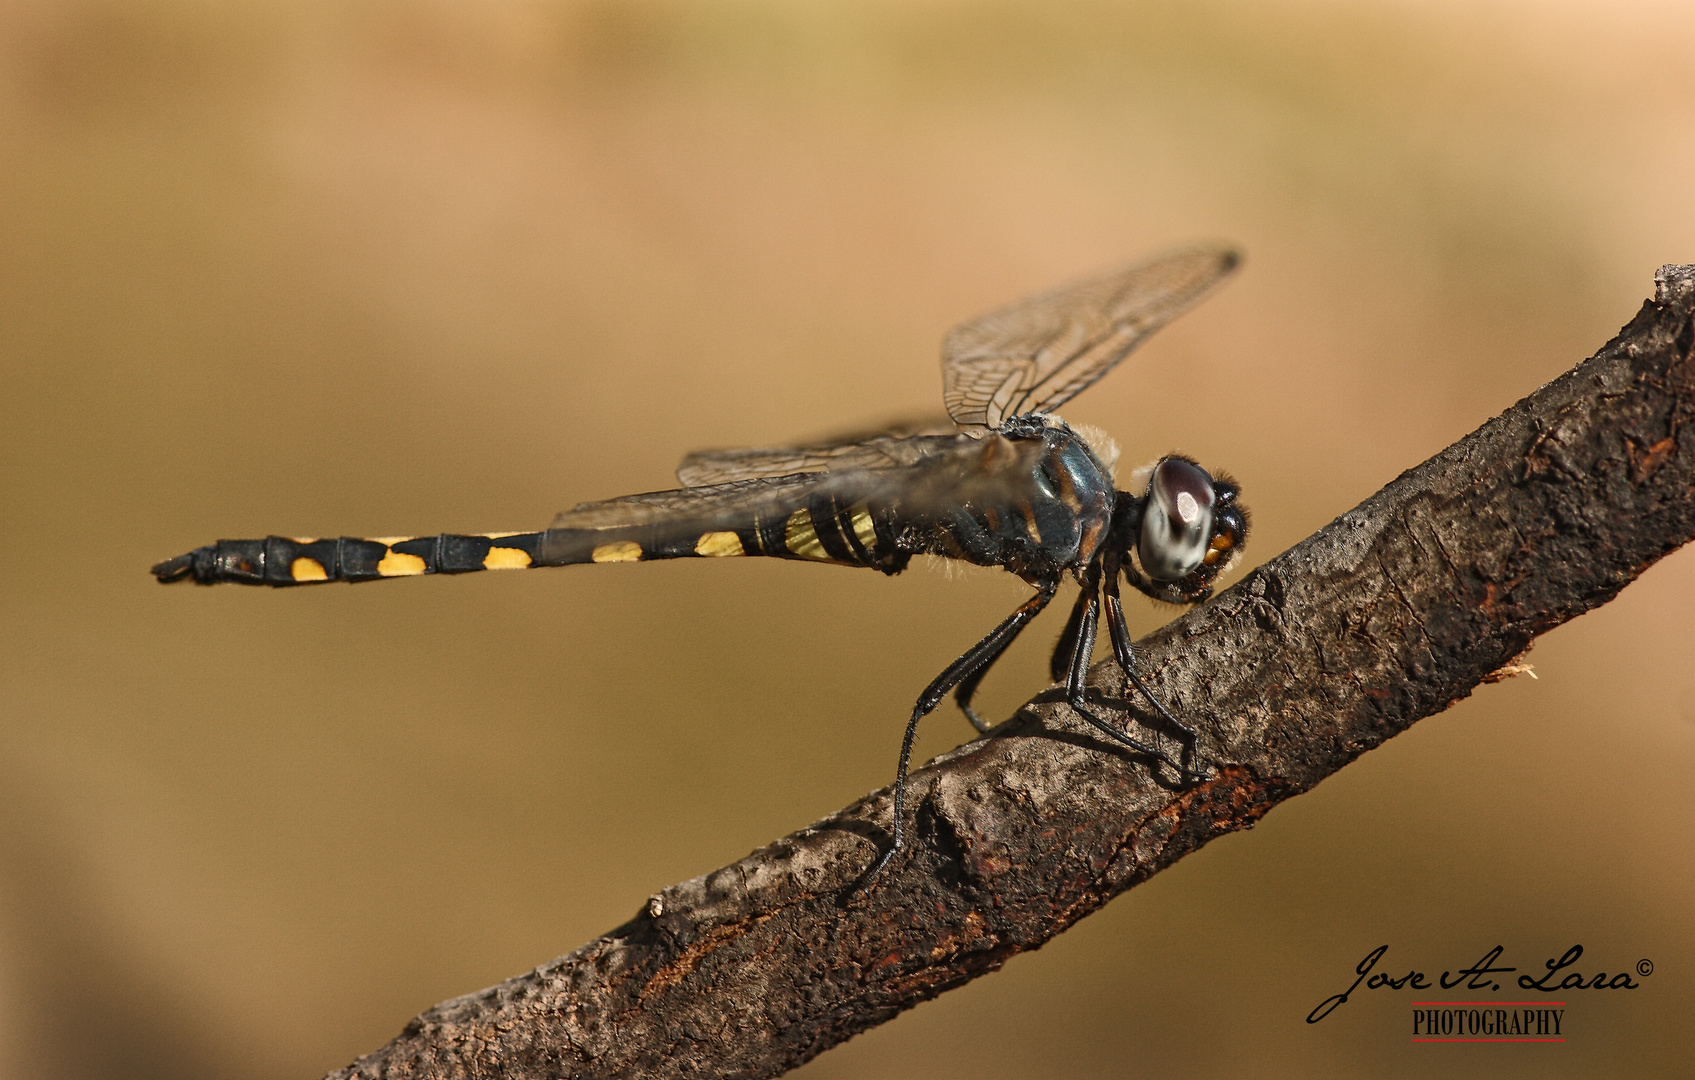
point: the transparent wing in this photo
(891, 446)
(733, 501)
(915, 472)
(1037, 354)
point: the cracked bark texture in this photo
(1392, 612)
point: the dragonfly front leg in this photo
(1086, 620)
(1124, 652)
(973, 663)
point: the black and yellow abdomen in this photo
(815, 522)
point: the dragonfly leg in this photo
(1086, 619)
(1124, 652)
(1059, 665)
(978, 657)
(967, 687)
(966, 690)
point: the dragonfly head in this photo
(1190, 529)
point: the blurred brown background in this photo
(398, 267)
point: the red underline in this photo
(1488, 1003)
(1488, 1040)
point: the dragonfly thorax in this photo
(1031, 497)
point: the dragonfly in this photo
(1001, 481)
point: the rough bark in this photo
(1390, 613)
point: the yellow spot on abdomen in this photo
(499, 558)
(304, 569)
(399, 564)
(618, 551)
(801, 538)
(717, 545)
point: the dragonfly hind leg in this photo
(968, 667)
(967, 689)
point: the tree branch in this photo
(1392, 612)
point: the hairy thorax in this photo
(1033, 499)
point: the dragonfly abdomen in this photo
(819, 529)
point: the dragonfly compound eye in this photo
(1177, 522)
